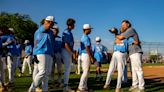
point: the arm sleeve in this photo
(65, 38)
(86, 42)
(129, 33)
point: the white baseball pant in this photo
(79, 64)
(1, 72)
(11, 63)
(125, 75)
(3, 67)
(137, 73)
(40, 73)
(85, 61)
(27, 61)
(59, 66)
(67, 59)
(117, 60)
(18, 64)
(50, 66)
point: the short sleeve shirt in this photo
(130, 32)
(85, 41)
(67, 37)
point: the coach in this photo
(135, 54)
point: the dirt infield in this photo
(153, 71)
(150, 72)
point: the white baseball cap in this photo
(26, 41)
(98, 38)
(50, 18)
(87, 26)
(11, 29)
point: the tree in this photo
(23, 25)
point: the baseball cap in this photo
(11, 29)
(26, 41)
(50, 18)
(87, 26)
(98, 38)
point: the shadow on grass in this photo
(151, 85)
(154, 84)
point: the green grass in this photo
(152, 85)
(156, 64)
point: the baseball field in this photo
(153, 74)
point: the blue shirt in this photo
(28, 50)
(130, 41)
(19, 48)
(79, 50)
(1, 50)
(67, 37)
(124, 46)
(4, 38)
(85, 41)
(58, 45)
(98, 51)
(121, 47)
(43, 42)
(12, 50)
(4, 48)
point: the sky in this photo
(146, 16)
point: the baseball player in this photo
(18, 64)
(86, 58)
(99, 52)
(28, 57)
(12, 54)
(135, 55)
(57, 59)
(78, 60)
(117, 60)
(2, 86)
(67, 51)
(3, 59)
(42, 51)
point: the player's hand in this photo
(117, 41)
(136, 42)
(74, 56)
(92, 60)
(106, 57)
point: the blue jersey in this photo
(67, 37)
(130, 41)
(43, 42)
(4, 38)
(28, 50)
(58, 45)
(1, 50)
(124, 46)
(85, 41)
(4, 48)
(12, 49)
(19, 48)
(79, 50)
(98, 51)
(121, 47)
